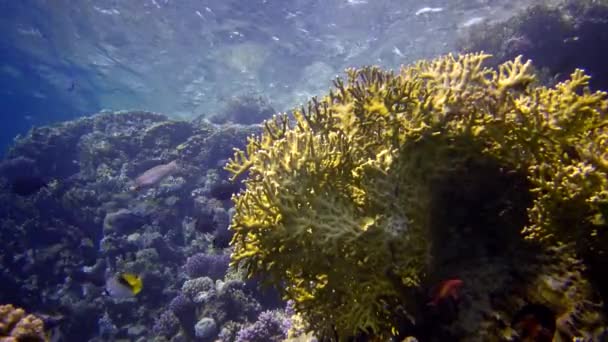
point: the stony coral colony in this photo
(395, 180)
(16, 325)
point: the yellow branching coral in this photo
(337, 209)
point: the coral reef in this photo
(558, 38)
(343, 203)
(205, 329)
(166, 325)
(107, 328)
(352, 209)
(207, 265)
(270, 326)
(183, 308)
(63, 239)
(199, 289)
(206, 308)
(16, 325)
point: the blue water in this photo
(36, 80)
(62, 60)
(29, 100)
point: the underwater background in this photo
(433, 197)
(188, 58)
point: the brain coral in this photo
(337, 204)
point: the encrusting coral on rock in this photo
(342, 201)
(16, 325)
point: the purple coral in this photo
(181, 305)
(270, 326)
(213, 266)
(183, 308)
(166, 324)
(237, 303)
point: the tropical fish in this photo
(154, 175)
(123, 285)
(446, 290)
(534, 322)
(25, 186)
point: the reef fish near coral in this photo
(155, 175)
(123, 285)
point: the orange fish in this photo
(446, 290)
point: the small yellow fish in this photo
(124, 285)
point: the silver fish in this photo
(154, 175)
